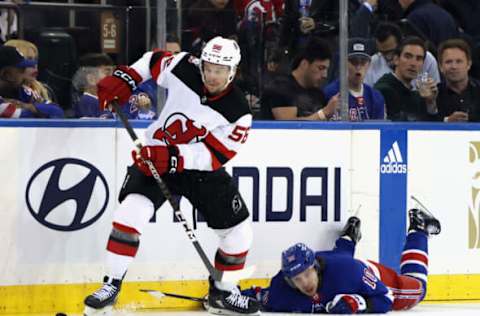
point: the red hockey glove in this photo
(119, 85)
(164, 158)
(346, 304)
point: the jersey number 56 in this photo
(239, 134)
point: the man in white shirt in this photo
(387, 38)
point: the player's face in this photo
(216, 77)
(307, 281)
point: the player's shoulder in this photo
(185, 68)
(232, 106)
(185, 63)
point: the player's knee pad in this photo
(134, 212)
(237, 239)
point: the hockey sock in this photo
(121, 249)
(414, 260)
(225, 261)
(232, 251)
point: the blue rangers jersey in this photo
(370, 105)
(339, 273)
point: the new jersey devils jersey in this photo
(208, 130)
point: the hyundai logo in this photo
(67, 194)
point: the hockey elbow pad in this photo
(346, 304)
(118, 86)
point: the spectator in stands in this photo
(459, 95)
(387, 38)
(209, 18)
(402, 102)
(365, 103)
(40, 91)
(362, 19)
(466, 13)
(257, 37)
(93, 68)
(298, 95)
(305, 18)
(431, 21)
(172, 44)
(14, 102)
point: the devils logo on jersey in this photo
(179, 129)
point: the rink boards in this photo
(60, 181)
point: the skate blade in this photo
(90, 311)
(219, 311)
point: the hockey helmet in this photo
(297, 259)
(222, 51)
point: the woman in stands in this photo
(39, 91)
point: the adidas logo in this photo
(393, 161)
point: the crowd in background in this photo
(408, 60)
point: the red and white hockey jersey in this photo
(207, 130)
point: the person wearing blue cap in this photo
(364, 102)
(14, 102)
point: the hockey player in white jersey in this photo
(203, 124)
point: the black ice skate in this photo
(352, 229)
(422, 220)
(230, 303)
(102, 300)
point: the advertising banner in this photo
(65, 183)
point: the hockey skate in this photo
(102, 300)
(230, 303)
(352, 229)
(423, 220)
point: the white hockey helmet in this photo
(221, 51)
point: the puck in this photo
(60, 314)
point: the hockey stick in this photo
(159, 295)
(420, 204)
(217, 275)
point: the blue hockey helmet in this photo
(297, 259)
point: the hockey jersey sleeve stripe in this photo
(156, 62)
(220, 153)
